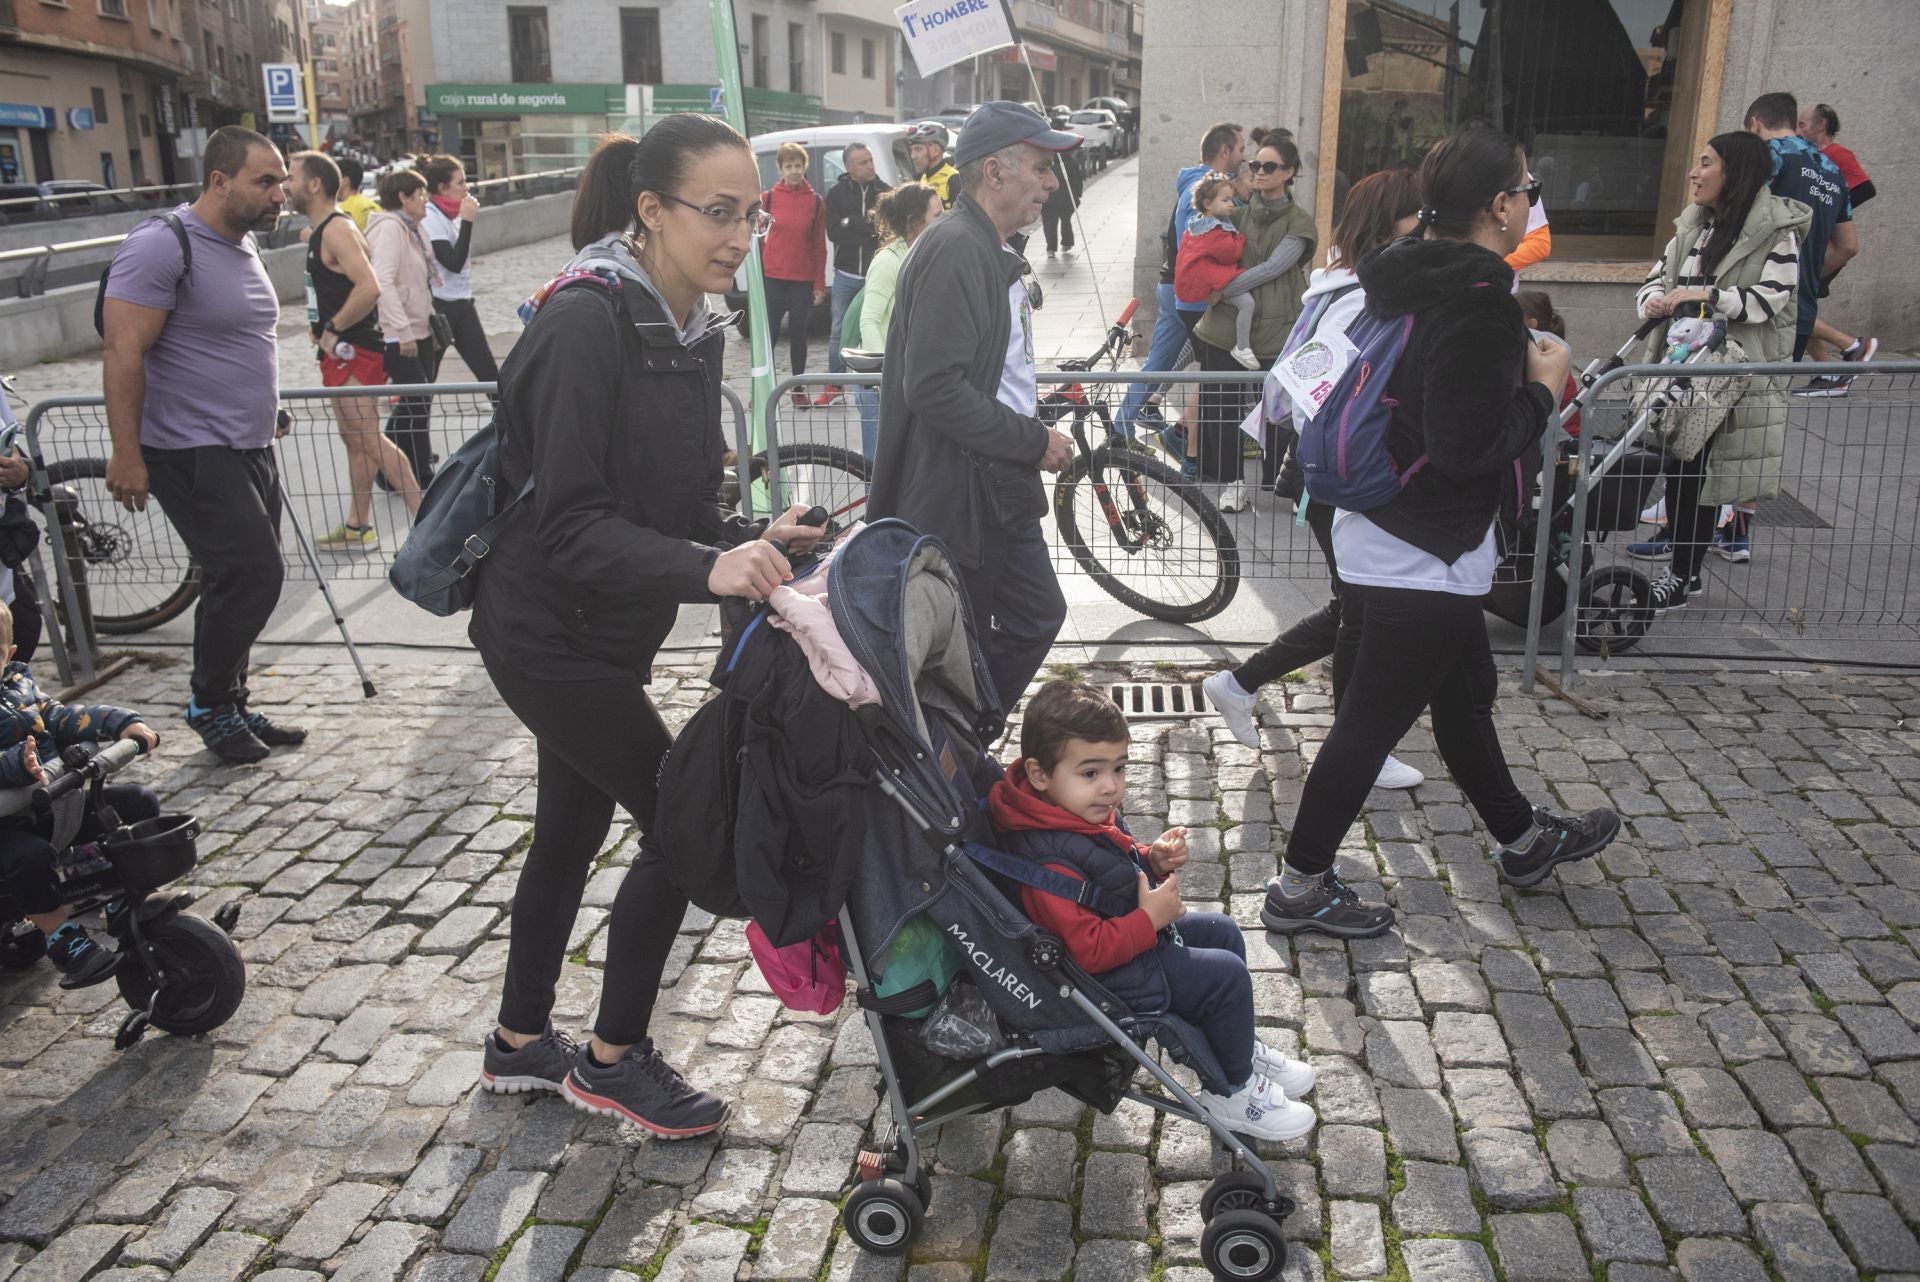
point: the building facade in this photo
(388, 61)
(326, 33)
(1613, 98)
(860, 60)
(89, 92)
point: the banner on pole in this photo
(940, 33)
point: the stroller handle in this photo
(816, 516)
(81, 764)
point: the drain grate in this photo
(1159, 700)
(1787, 512)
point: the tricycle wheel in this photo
(205, 978)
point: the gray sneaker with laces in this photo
(645, 1090)
(540, 1065)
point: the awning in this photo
(1042, 58)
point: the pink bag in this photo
(805, 976)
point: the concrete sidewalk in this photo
(1696, 1052)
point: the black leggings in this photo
(791, 301)
(469, 337)
(1417, 650)
(1058, 225)
(409, 426)
(1689, 524)
(600, 743)
(1322, 633)
(1216, 443)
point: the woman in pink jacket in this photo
(404, 266)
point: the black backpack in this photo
(172, 220)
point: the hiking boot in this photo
(224, 731)
(270, 734)
(1671, 592)
(541, 1065)
(80, 961)
(1259, 1109)
(1822, 386)
(645, 1090)
(1235, 706)
(1557, 839)
(1395, 773)
(361, 538)
(1332, 908)
(1295, 1077)
(1657, 548)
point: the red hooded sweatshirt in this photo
(1098, 944)
(796, 247)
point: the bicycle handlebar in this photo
(1126, 316)
(81, 764)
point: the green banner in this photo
(525, 100)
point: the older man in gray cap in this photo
(961, 448)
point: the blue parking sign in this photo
(284, 99)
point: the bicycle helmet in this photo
(929, 131)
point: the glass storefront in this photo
(1599, 91)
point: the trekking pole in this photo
(313, 562)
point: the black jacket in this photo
(620, 425)
(1463, 399)
(849, 226)
(946, 348)
(1072, 173)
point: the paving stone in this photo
(1710, 1097)
(188, 1222)
(1818, 1046)
(1114, 1260)
(1832, 1161)
(1874, 1233)
(1899, 1168)
(1468, 1039)
(1540, 1248)
(957, 1224)
(821, 1161)
(795, 1246)
(1781, 1094)
(1358, 1242)
(1509, 1169)
(1419, 1124)
(632, 1230)
(435, 1182)
(385, 1253)
(1689, 1196)
(1113, 1199)
(1531, 1022)
(76, 1254)
(1446, 1260)
(966, 1145)
(1487, 1097)
(1041, 1162)
(1799, 1242)
(736, 1181)
(1757, 1166)
(1865, 1108)
(224, 1257)
(1614, 1057)
(582, 1184)
(542, 1252)
(447, 1080)
(1646, 1122)
(1618, 1226)
(494, 1209)
(330, 1222)
(1588, 1003)
(1353, 1162)
(1032, 1242)
(1553, 1084)
(1586, 1153)
(1399, 1053)
(1713, 1260)
(455, 1268)
(703, 1251)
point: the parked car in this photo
(22, 203)
(826, 145)
(1101, 132)
(1127, 116)
(74, 197)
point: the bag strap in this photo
(186, 249)
(904, 1002)
(1060, 886)
(475, 547)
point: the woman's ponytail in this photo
(623, 166)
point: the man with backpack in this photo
(192, 386)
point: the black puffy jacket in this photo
(849, 223)
(620, 425)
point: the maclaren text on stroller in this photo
(926, 857)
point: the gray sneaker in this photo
(645, 1090)
(540, 1065)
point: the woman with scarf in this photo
(404, 266)
(610, 404)
(451, 209)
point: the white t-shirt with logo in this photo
(1019, 377)
(1368, 555)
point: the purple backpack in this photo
(1343, 449)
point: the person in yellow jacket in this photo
(927, 146)
(353, 202)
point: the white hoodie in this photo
(1340, 312)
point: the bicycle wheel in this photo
(139, 573)
(1156, 543)
(819, 475)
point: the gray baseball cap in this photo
(999, 124)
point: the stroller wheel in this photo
(1241, 1191)
(1244, 1246)
(883, 1216)
(1616, 609)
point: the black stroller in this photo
(899, 606)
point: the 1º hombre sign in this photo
(940, 33)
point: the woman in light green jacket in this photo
(900, 216)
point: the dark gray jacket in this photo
(946, 349)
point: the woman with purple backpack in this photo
(1470, 393)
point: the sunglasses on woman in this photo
(1265, 166)
(1531, 191)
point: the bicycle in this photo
(1168, 553)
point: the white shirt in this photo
(1368, 555)
(451, 285)
(1019, 378)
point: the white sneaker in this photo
(1259, 1109)
(1656, 514)
(1295, 1077)
(1235, 706)
(1395, 773)
(1236, 496)
(1246, 357)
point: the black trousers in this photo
(1219, 444)
(28, 623)
(410, 424)
(1416, 650)
(1058, 225)
(1322, 633)
(790, 301)
(1017, 607)
(469, 337)
(600, 744)
(27, 857)
(225, 504)
(1689, 524)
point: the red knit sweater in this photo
(796, 247)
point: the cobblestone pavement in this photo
(1696, 1052)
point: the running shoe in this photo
(80, 961)
(1557, 839)
(541, 1065)
(274, 736)
(828, 396)
(1822, 386)
(645, 1090)
(1395, 773)
(1235, 706)
(1331, 908)
(224, 732)
(360, 538)
(1657, 548)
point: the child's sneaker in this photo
(1246, 357)
(1295, 1077)
(1260, 1110)
(1235, 706)
(541, 1065)
(80, 961)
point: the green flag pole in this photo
(733, 104)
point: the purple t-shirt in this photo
(213, 375)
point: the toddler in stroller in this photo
(1059, 808)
